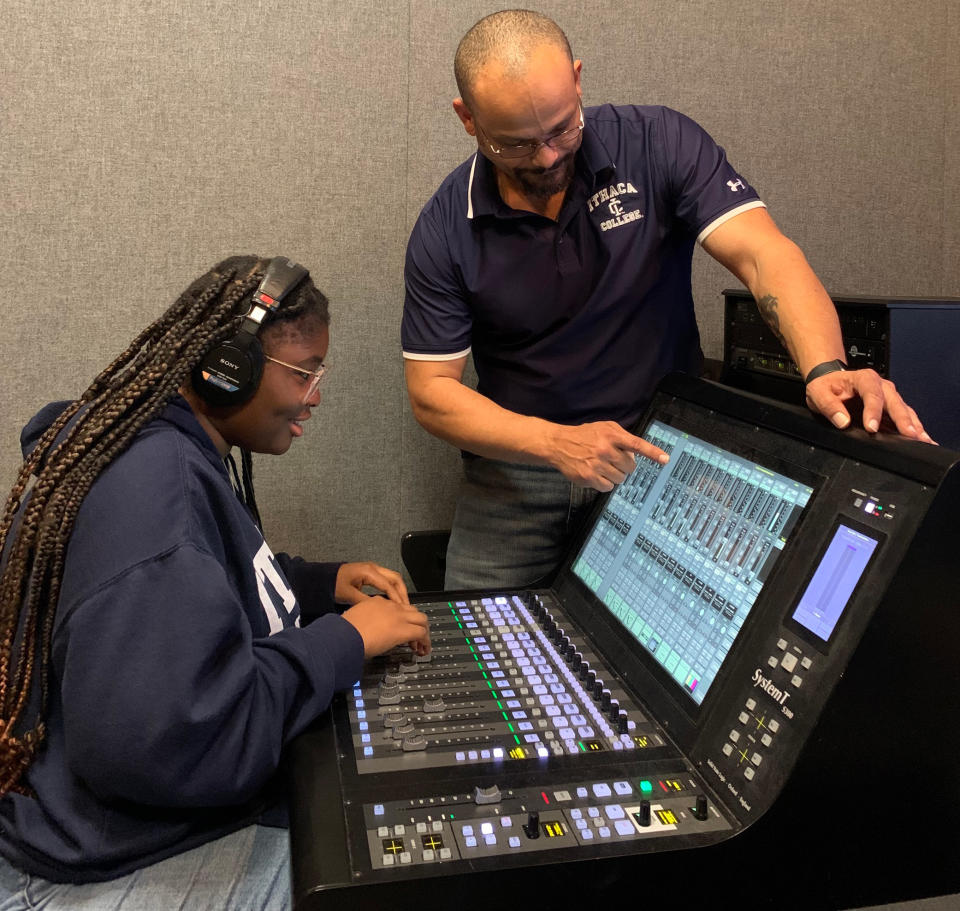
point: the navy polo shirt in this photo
(577, 319)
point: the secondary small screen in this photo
(682, 551)
(834, 580)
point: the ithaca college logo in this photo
(611, 198)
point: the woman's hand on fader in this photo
(383, 624)
(351, 577)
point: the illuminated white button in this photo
(734, 736)
(624, 827)
(614, 811)
(795, 680)
(623, 787)
(727, 749)
(751, 704)
(604, 832)
(601, 789)
(399, 830)
(461, 756)
(472, 754)
(421, 828)
(405, 857)
(506, 822)
(383, 831)
(567, 733)
(593, 812)
(582, 792)
(587, 834)
(498, 753)
(581, 824)
(486, 828)
(470, 841)
(576, 813)
(467, 830)
(428, 854)
(445, 854)
(766, 740)
(378, 809)
(514, 842)
(773, 725)
(388, 860)
(437, 826)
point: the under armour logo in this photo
(736, 185)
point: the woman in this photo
(155, 656)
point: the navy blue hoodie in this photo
(179, 666)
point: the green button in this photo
(646, 787)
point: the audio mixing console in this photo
(715, 658)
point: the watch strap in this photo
(825, 368)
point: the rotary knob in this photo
(532, 826)
(644, 814)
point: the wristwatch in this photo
(825, 368)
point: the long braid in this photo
(130, 393)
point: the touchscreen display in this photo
(682, 551)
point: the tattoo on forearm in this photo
(768, 310)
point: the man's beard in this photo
(543, 184)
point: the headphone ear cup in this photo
(229, 374)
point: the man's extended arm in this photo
(598, 455)
(799, 311)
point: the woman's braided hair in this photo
(87, 436)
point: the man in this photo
(560, 255)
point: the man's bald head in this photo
(507, 39)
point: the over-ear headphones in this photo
(229, 373)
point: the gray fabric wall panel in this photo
(141, 144)
(150, 142)
(950, 211)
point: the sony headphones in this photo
(229, 373)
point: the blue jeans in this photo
(512, 525)
(248, 870)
